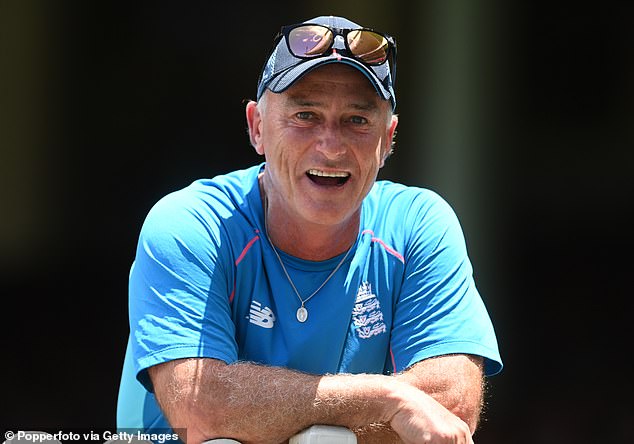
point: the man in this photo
(301, 291)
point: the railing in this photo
(317, 434)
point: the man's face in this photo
(324, 140)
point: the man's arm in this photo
(244, 401)
(254, 403)
(455, 381)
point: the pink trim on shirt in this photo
(242, 254)
(389, 249)
(393, 360)
(233, 293)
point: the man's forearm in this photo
(254, 403)
(243, 401)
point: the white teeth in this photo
(328, 173)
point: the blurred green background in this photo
(519, 113)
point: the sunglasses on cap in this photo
(370, 47)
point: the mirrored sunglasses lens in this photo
(369, 46)
(309, 41)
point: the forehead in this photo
(335, 81)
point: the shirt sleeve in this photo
(178, 287)
(439, 310)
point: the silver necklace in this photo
(302, 312)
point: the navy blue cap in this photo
(282, 69)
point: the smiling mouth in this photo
(328, 178)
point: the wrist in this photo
(398, 394)
(358, 400)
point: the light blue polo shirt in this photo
(206, 283)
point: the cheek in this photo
(384, 150)
(370, 165)
(381, 153)
(280, 161)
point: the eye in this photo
(358, 120)
(304, 115)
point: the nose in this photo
(331, 143)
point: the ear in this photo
(389, 139)
(254, 122)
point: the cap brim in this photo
(285, 79)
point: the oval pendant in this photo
(302, 314)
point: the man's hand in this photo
(455, 381)
(422, 419)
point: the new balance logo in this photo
(262, 317)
